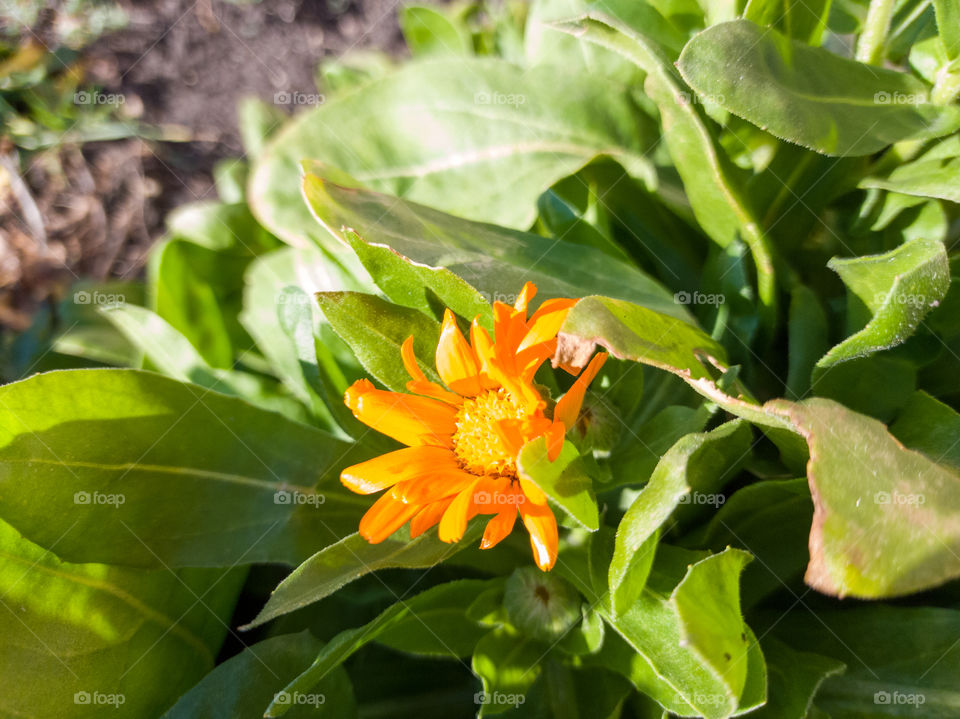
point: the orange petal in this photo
(554, 439)
(384, 518)
(532, 492)
(454, 521)
(420, 384)
(408, 419)
(568, 408)
(457, 364)
(428, 516)
(499, 527)
(542, 525)
(402, 465)
(440, 483)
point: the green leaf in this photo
(242, 686)
(131, 468)
(901, 661)
(351, 558)
(795, 677)
(494, 260)
(897, 289)
(935, 173)
(948, 23)
(693, 468)
(420, 287)
(804, 23)
(686, 643)
(808, 339)
(929, 426)
(712, 188)
(478, 138)
(104, 633)
(771, 520)
(508, 664)
(634, 332)
(884, 516)
(422, 608)
(429, 32)
(375, 330)
(564, 481)
(808, 95)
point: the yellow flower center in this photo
(476, 443)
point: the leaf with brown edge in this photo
(886, 518)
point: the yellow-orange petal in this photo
(408, 419)
(419, 382)
(442, 482)
(542, 526)
(454, 521)
(568, 408)
(546, 322)
(456, 362)
(528, 292)
(532, 492)
(404, 464)
(484, 350)
(385, 517)
(428, 517)
(499, 527)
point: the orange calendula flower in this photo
(463, 439)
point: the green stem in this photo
(947, 87)
(870, 46)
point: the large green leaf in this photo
(495, 260)
(434, 604)
(132, 468)
(795, 677)
(712, 186)
(479, 138)
(885, 517)
(508, 663)
(809, 95)
(897, 289)
(242, 686)
(935, 173)
(901, 661)
(351, 558)
(81, 640)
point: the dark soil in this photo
(182, 66)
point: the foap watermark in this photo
(499, 698)
(696, 98)
(899, 498)
(498, 499)
(293, 298)
(907, 299)
(285, 496)
(99, 499)
(709, 699)
(99, 699)
(899, 98)
(299, 699)
(899, 698)
(699, 298)
(499, 98)
(104, 299)
(95, 97)
(702, 499)
(299, 98)
(504, 297)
